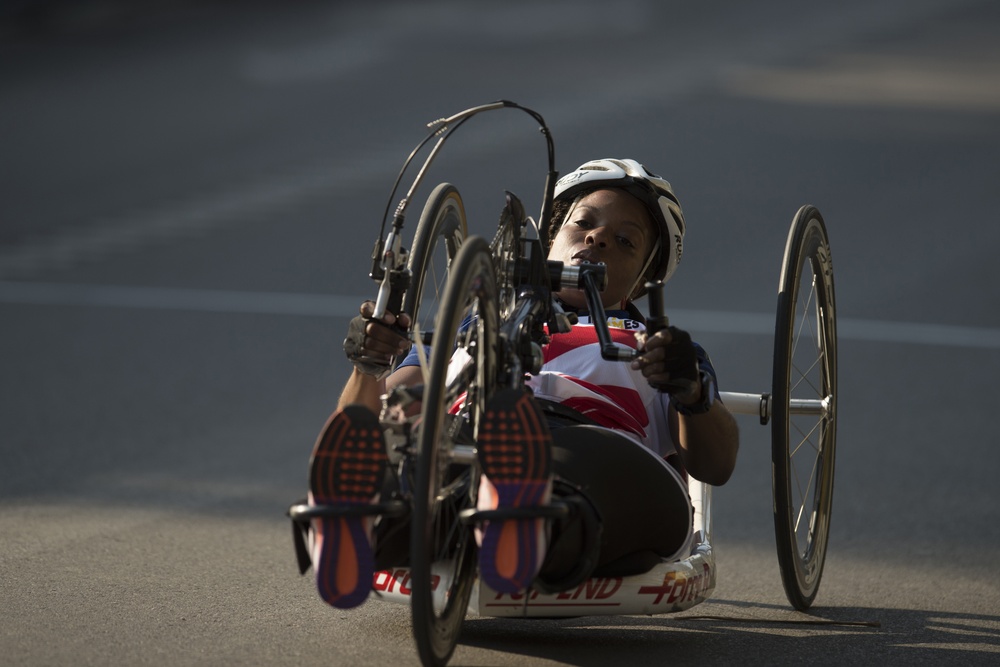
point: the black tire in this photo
(440, 233)
(437, 534)
(804, 435)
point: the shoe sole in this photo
(515, 454)
(347, 468)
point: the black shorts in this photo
(642, 501)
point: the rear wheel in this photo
(804, 408)
(462, 377)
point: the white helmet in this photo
(646, 186)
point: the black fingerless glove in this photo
(354, 347)
(681, 361)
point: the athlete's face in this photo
(609, 226)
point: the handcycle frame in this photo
(670, 586)
(509, 285)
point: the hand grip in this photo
(390, 293)
(658, 321)
(395, 302)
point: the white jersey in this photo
(610, 393)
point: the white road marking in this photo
(165, 298)
(333, 305)
(919, 333)
(192, 218)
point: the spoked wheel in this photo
(462, 376)
(506, 249)
(440, 233)
(804, 408)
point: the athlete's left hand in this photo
(669, 363)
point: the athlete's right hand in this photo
(372, 344)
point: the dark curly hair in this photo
(560, 208)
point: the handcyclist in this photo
(597, 434)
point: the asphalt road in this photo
(189, 197)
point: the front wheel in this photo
(440, 232)
(804, 408)
(461, 379)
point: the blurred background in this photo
(189, 195)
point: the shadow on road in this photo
(747, 633)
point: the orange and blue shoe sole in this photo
(346, 468)
(515, 453)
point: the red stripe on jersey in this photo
(582, 335)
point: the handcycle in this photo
(493, 309)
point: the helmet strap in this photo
(642, 274)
